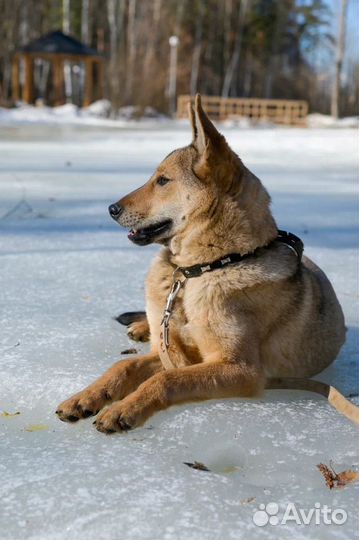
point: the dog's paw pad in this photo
(124, 426)
(112, 424)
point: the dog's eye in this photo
(162, 180)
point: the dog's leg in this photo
(196, 382)
(116, 383)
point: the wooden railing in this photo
(278, 111)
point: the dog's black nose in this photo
(115, 210)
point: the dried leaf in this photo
(248, 501)
(36, 427)
(329, 477)
(7, 414)
(197, 465)
(334, 480)
(129, 351)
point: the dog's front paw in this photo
(139, 331)
(82, 405)
(115, 418)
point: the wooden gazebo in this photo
(56, 47)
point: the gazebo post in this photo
(100, 78)
(88, 82)
(15, 78)
(58, 65)
(28, 90)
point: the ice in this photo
(67, 269)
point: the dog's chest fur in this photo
(209, 307)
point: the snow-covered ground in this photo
(97, 114)
(66, 269)
(100, 114)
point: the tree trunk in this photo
(227, 33)
(131, 51)
(66, 29)
(339, 60)
(85, 34)
(114, 16)
(66, 16)
(281, 12)
(24, 24)
(111, 16)
(150, 50)
(236, 51)
(197, 49)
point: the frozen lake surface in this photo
(66, 269)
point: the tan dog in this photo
(235, 330)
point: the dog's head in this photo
(186, 185)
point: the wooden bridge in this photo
(278, 111)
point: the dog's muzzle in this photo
(115, 211)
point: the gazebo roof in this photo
(58, 43)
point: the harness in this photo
(289, 239)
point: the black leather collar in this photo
(290, 239)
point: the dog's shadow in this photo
(344, 372)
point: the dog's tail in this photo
(335, 398)
(130, 317)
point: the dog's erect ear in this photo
(211, 146)
(192, 117)
(204, 132)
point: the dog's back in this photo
(309, 330)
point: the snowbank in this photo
(97, 114)
(100, 113)
(316, 120)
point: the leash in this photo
(165, 328)
(292, 241)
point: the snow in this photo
(67, 269)
(100, 114)
(96, 114)
(317, 120)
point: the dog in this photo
(270, 319)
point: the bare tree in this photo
(236, 50)
(152, 38)
(66, 16)
(340, 47)
(272, 66)
(227, 27)
(66, 19)
(24, 24)
(197, 48)
(131, 46)
(111, 16)
(85, 21)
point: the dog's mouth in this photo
(147, 235)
